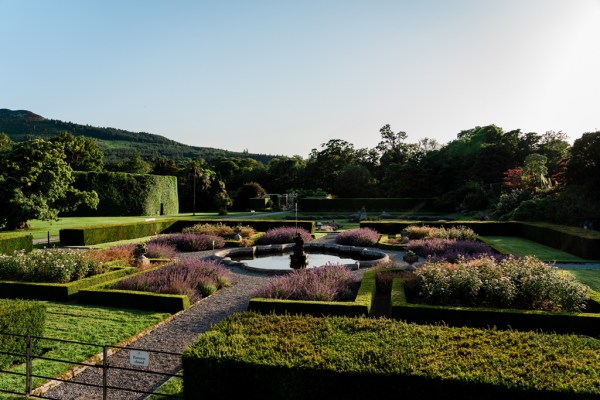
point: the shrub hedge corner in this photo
(20, 317)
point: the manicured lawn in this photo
(88, 324)
(523, 247)
(590, 277)
(173, 387)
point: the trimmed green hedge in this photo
(58, 291)
(10, 243)
(371, 204)
(104, 296)
(121, 193)
(577, 241)
(360, 306)
(21, 317)
(97, 234)
(528, 320)
(304, 357)
(258, 203)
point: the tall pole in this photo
(194, 190)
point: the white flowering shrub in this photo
(53, 265)
(526, 283)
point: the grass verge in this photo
(88, 324)
(523, 247)
(590, 277)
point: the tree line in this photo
(485, 170)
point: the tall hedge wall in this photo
(371, 204)
(128, 194)
(10, 243)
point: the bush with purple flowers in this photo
(282, 235)
(448, 249)
(358, 237)
(330, 282)
(189, 241)
(526, 283)
(191, 277)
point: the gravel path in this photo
(173, 336)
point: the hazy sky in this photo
(283, 77)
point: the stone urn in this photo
(410, 257)
(139, 256)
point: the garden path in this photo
(180, 331)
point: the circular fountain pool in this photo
(276, 258)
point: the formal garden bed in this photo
(171, 287)
(517, 293)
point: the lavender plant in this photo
(358, 237)
(327, 283)
(191, 277)
(189, 241)
(284, 234)
(447, 249)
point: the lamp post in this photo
(194, 176)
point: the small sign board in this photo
(139, 358)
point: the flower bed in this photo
(524, 283)
(220, 229)
(282, 235)
(189, 241)
(49, 266)
(448, 249)
(331, 282)
(190, 277)
(358, 237)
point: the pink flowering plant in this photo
(191, 277)
(526, 283)
(330, 282)
(358, 237)
(282, 235)
(460, 232)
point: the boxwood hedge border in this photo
(527, 320)
(11, 243)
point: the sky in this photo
(284, 77)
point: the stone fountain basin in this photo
(364, 257)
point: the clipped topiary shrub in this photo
(358, 237)
(22, 317)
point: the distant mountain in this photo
(22, 125)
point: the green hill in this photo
(22, 125)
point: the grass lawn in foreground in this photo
(81, 323)
(522, 247)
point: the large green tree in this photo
(81, 153)
(37, 183)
